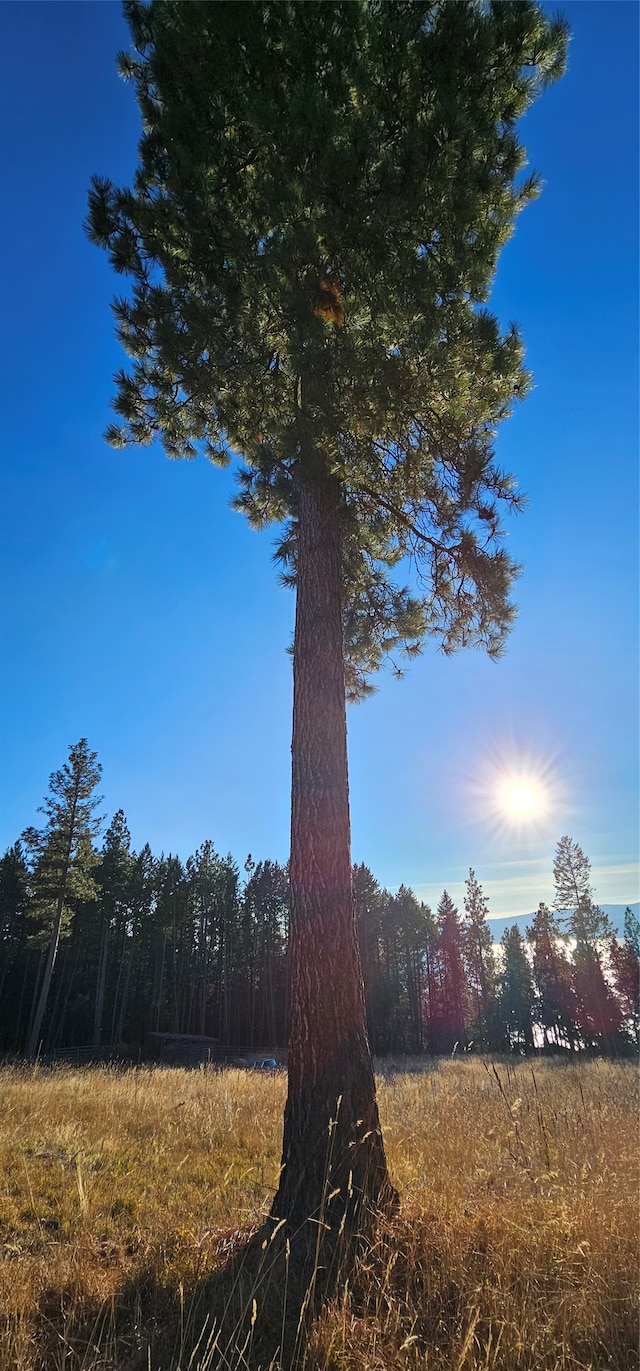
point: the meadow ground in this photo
(125, 1197)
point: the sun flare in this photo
(522, 799)
(518, 791)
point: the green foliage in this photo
(14, 889)
(480, 962)
(572, 875)
(311, 237)
(191, 947)
(555, 1006)
(62, 860)
(451, 992)
(61, 854)
(598, 1015)
(625, 965)
(115, 870)
(573, 891)
(632, 932)
(516, 993)
(596, 1010)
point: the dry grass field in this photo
(125, 1198)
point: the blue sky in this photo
(139, 611)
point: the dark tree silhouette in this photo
(555, 999)
(516, 993)
(451, 998)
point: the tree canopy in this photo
(311, 237)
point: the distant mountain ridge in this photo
(524, 921)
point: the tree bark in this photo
(333, 1163)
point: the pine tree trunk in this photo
(333, 1161)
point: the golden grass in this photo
(122, 1194)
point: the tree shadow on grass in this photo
(256, 1310)
(251, 1313)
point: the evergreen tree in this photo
(625, 966)
(228, 943)
(128, 1017)
(114, 882)
(598, 1014)
(170, 910)
(266, 896)
(555, 1006)
(411, 923)
(14, 877)
(389, 987)
(205, 874)
(574, 893)
(14, 949)
(429, 998)
(632, 932)
(322, 194)
(63, 858)
(480, 964)
(516, 992)
(450, 998)
(369, 900)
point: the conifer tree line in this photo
(101, 945)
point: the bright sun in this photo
(522, 799)
(516, 791)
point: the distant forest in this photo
(101, 945)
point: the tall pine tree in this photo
(113, 878)
(625, 966)
(480, 964)
(14, 950)
(555, 998)
(597, 1012)
(63, 858)
(322, 194)
(450, 999)
(516, 993)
